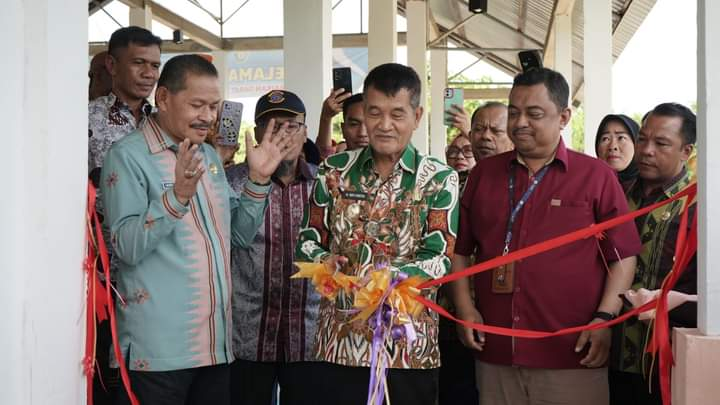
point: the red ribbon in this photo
(98, 298)
(685, 248)
(583, 233)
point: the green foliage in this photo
(577, 123)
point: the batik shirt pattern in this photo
(658, 232)
(109, 120)
(274, 316)
(409, 219)
(173, 260)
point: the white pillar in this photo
(382, 32)
(598, 66)
(438, 82)
(220, 62)
(307, 43)
(708, 98)
(42, 209)
(141, 17)
(416, 13)
(563, 59)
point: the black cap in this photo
(279, 100)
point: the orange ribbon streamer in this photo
(401, 298)
(327, 282)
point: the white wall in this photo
(43, 100)
(708, 169)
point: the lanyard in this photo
(525, 197)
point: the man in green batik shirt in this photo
(664, 145)
(384, 202)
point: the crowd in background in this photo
(203, 248)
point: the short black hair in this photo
(688, 130)
(123, 37)
(178, 67)
(554, 82)
(355, 98)
(390, 78)
(489, 104)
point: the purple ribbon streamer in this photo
(379, 387)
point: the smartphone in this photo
(342, 79)
(229, 123)
(452, 97)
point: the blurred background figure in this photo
(459, 156)
(100, 79)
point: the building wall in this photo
(44, 170)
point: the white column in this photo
(416, 13)
(307, 43)
(563, 59)
(382, 32)
(598, 66)
(708, 85)
(42, 209)
(438, 82)
(141, 17)
(220, 62)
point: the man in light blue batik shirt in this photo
(173, 218)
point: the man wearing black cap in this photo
(274, 317)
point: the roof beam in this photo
(95, 5)
(252, 43)
(522, 18)
(492, 93)
(451, 30)
(174, 21)
(432, 24)
(509, 30)
(457, 15)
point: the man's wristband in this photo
(605, 316)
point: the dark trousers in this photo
(105, 380)
(633, 389)
(194, 386)
(349, 385)
(457, 374)
(253, 382)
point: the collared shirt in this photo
(110, 119)
(556, 289)
(658, 232)
(410, 219)
(173, 260)
(274, 317)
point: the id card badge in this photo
(503, 281)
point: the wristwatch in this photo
(605, 316)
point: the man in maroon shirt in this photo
(519, 198)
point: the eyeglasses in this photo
(454, 152)
(292, 127)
